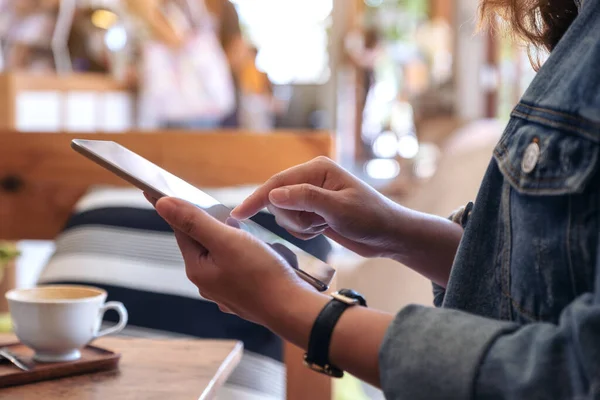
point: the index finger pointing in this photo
(304, 173)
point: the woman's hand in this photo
(320, 197)
(248, 278)
(229, 266)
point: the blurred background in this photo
(391, 79)
(411, 94)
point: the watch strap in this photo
(317, 356)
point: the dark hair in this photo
(541, 23)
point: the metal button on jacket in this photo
(531, 157)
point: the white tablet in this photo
(159, 183)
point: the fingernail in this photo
(235, 211)
(279, 196)
(234, 223)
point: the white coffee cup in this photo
(57, 321)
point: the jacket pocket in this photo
(547, 202)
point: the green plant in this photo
(8, 253)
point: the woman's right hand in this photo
(320, 197)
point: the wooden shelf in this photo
(77, 102)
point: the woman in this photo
(235, 47)
(182, 75)
(257, 103)
(515, 275)
(365, 53)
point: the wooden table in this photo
(149, 369)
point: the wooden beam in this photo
(92, 82)
(41, 177)
(7, 102)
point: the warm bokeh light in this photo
(382, 169)
(408, 146)
(385, 145)
(402, 118)
(116, 38)
(104, 19)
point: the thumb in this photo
(304, 197)
(194, 222)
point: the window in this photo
(291, 36)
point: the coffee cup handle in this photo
(123, 316)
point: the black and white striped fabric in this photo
(115, 240)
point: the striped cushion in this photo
(115, 240)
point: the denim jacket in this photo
(520, 317)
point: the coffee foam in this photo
(55, 294)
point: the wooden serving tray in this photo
(93, 359)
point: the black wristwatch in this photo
(317, 356)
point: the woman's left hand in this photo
(246, 277)
(240, 273)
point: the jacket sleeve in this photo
(433, 353)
